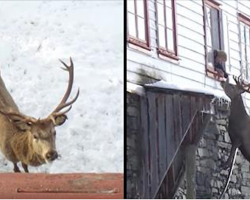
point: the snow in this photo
(134, 88)
(191, 87)
(33, 36)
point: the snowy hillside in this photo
(33, 36)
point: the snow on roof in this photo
(134, 88)
(191, 88)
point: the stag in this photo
(29, 140)
(239, 123)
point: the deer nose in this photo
(51, 155)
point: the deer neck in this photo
(237, 108)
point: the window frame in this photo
(245, 20)
(210, 71)
(164, 51)
(145, 44)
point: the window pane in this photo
(140, 7)
(215, 29)
(160, 14)
(169, 18)
(210, 56)
(168, 3)
(208, 35)
(131, 25)
(141, 28)
(208, 18)
(170, 39)
(248, 44)
(131, 6)
(242, 32)
(247, 36)
(161, 33)
(160, 1)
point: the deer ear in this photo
(22, 125)
(59, 120)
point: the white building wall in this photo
(190, 69)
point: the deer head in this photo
(41, 132)
(233, 91)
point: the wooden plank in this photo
(169, 129)
(185, 100)
(162, 135)
(145, 149)
(152, 138)
(61, 186)
(177, 130)
(192, 113)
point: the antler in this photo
(64, 103)
(240, 83)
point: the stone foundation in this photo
(213, 149)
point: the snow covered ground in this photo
(33, 36)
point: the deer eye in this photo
(54, 133)
(35, 137)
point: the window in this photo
(138, 23)
(166, 26)
(245, 45)
(213, 35)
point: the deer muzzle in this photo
(51, 155)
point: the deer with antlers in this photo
(29, 140)
(239, 123)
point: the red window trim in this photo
(210, 72)
(213, 4)
(243, 18)
(164, 51)
(145, 44)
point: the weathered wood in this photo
(162, 135)
(176, 119)
(185, 112)
(165, 118)
(61, 186)
(190, 171)
(169, 129)
(152, 139)
(145, 149)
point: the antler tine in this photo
(238, 79)
(60, 107)
(70, 69)
(240, 83)
(62, 113)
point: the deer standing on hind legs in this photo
(26, 139)
(239, 123)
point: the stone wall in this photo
(132, 151)
(214, 148)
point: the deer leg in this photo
(16, 168)
(25, 167)
(234, 147)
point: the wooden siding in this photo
(169, 119)
(190, 35)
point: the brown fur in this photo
(26, 139)
(239, 125)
